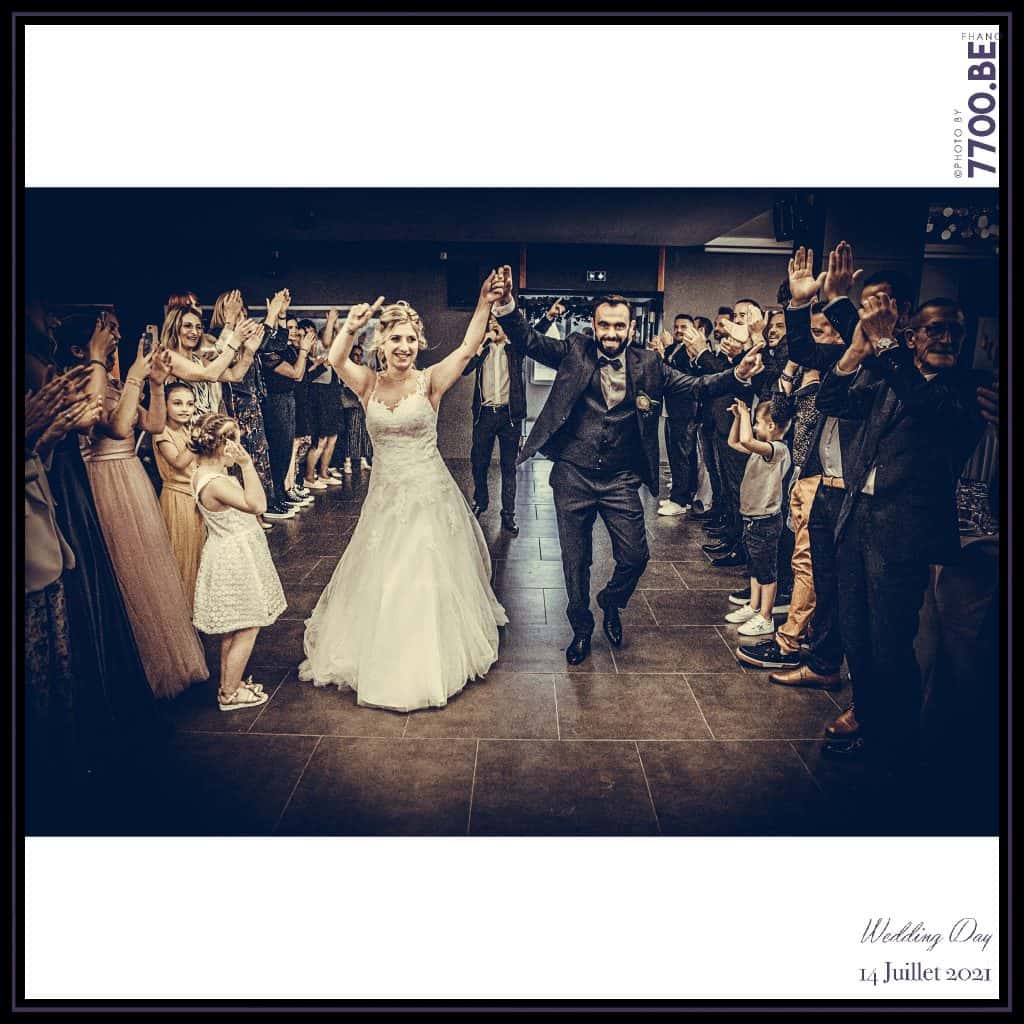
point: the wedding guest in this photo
(115, 724)
(726, 546)
(133, 526)
(499, 408)
(898, 514)
(282, 369)
(680, 425)
(175, 462)
(51, 412)
(356, 444)
(768, 461)
(324, 396)
(248, 392)
(182, 336)
(238, 591)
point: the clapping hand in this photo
(307, 339)
(250, 333)
(755, 329)
(730, 346)
(277, 305)
(751, 364)
(232, 308)
(360, 315)
(738, 332)
(878, 316)
(160, 366)
(803, 285)
(840, 276)
(694, 341)
(739, 408)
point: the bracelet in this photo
(790, 377)
(133, 380)
(98, 362)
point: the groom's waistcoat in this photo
(598, 438)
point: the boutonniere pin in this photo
(645, 403)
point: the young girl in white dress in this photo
(238, 590)
(409, 615)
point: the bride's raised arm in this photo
(449, 370)
(359, 378)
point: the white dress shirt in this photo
(494, 380)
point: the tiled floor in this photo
(669, 734)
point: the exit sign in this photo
(597, 275)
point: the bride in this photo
(409, 615)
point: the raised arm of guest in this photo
(120, 420)
(715, 384)
(747, 441)
(153, 418)
(804, 287)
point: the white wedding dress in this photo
(409, 615)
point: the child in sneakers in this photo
(761, 509)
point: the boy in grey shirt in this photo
(761, 509)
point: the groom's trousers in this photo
(580, 496)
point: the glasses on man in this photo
(936, 332)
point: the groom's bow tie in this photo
(615, 364)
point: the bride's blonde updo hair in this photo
(396, 313)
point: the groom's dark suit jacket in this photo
(572, 393)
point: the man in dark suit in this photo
(832, 446)
(499, 408)
(680, 426)
(600, 427)
(921, 421)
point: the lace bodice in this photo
(404, 435)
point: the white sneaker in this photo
(332, 481)
(757, 625)
(670, 508)
(741, 614)
(363, 464)
(314, 485)
(347, 468)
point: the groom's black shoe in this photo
(612, 624)
(508, 522)
(579, 649)
(479, 510)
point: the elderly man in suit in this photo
(599, 425)
(499, 408)
(921, 421)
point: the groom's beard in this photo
(611, 347)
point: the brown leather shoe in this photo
(845, 727)
(804, 675)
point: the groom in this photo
(599, 426)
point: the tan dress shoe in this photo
(803, 675)
(845, 727)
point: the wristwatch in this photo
(884, 345)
